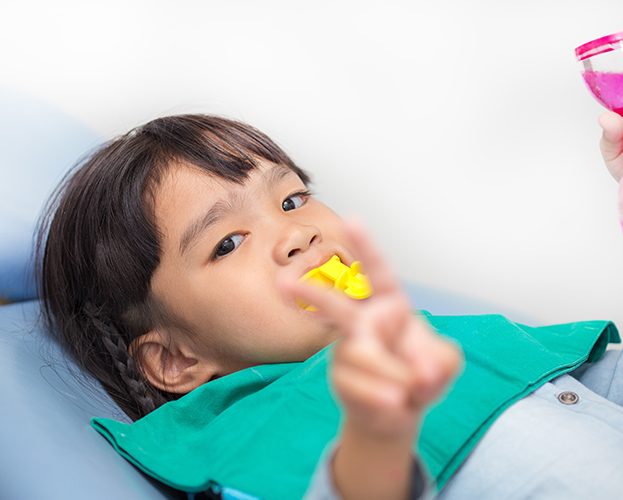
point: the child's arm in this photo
(611, 143)
(388, 366)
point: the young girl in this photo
(172, 259)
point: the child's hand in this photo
(389, 365)
(611, 143)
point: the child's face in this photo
(224, 245)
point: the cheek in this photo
(236, 306)
(331, 221)
(331, 224)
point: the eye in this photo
(295, 200)
(228, 245)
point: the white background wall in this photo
(461, 131)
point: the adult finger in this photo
(611, 143)
(612, 125)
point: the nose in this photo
(296, 238)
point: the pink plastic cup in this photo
(602, 69)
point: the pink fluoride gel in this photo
(607, 87)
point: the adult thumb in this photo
(612, 138)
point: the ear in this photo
(170, 367)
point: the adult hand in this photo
(611, 143)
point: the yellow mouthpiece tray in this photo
(334, 274)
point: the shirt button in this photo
(568, 398)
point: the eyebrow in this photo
(224, 207)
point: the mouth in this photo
(325, 257)
(332, 272)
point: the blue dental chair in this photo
(49, 450)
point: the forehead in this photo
(184, 185)
(185, 192)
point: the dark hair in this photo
(98, 244)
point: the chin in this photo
(329, 336)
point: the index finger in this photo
(331, 304)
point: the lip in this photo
(324, 258)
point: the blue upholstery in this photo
(48, 448)
(38, 144)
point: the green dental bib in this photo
(262, 430)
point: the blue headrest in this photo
(38, 145)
